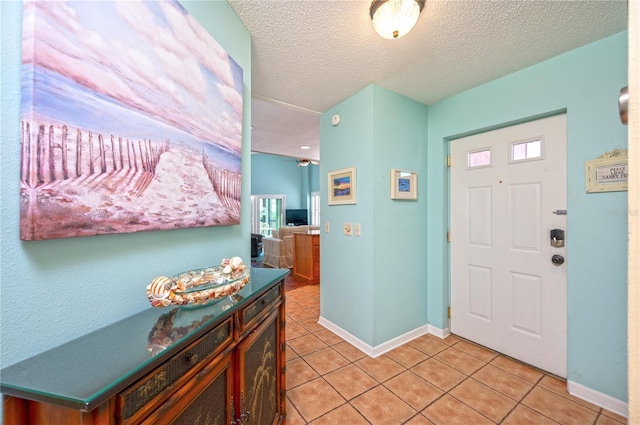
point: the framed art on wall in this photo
(607, 174)
(342, 186)
(133, 122)
(404, 184)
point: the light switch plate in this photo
(347, 229)
(327, 227)
(356, 229)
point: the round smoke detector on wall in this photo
(335, 120)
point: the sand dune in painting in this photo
(179, 195)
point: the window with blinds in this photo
(315, 208)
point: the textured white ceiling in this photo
(313, 54)
(282, 128)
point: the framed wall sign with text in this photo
(607, 175)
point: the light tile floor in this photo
(426, 381)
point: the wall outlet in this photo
(347, 229)
(327, 227)
(356, 229)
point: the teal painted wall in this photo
(56, 290)
(373, 285)
(279, 175)
(585, 82)
(400, 230)
(347, 296)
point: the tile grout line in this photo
(418, 412)
(519, 402)
(347, 401)
(461, 401)
(322, 376)
(535, 384)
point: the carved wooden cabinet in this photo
(306, 256)
(223, 364)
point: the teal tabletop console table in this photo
(218, 364)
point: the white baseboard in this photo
(383, 348)
(396, 342)
(440, 333)
(599, 399)
(356, 342)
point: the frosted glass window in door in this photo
(481, 158)
(531, 149)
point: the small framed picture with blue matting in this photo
(404, 184)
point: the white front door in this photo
(507, 186)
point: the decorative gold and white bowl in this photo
(200, 286)
(211, 287)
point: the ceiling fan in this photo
(302, 162)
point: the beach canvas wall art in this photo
(131, 121)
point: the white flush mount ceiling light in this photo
(395, 18)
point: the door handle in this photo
(557, 259)
(623, 105)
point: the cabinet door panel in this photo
(206, 409)
(206, 400)
(258, 363)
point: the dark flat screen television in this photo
(296, 217)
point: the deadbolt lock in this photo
(556, 237)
